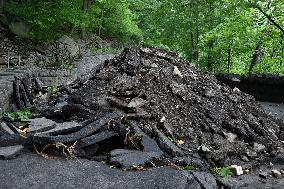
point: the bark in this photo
(229, 61)
(86, 4)
(259, 52)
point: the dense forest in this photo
(229, 36)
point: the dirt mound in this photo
(193, 109)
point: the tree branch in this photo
(269, 18)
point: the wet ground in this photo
(275, 109)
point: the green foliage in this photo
(222, 171)
(187, 168)
(22, 115)
(106, 50)
(53, 89)
(51, 19)
(203, 32)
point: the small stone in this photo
(245, 159)
(230, 137)
(258, 147)
(237, 170)
(154, 65)
(263, 175)
(276, 173)
(251, 155)
(136, 103)
(177, 72)
(234, 79)
(204, 149)
(10, 152)
(236, 90)
(282, 172)
(163, 119)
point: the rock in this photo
(163, 119)
(136, 103)
(89, 129)
(258, 147)
(70, 45)
(177, 72)
(204, 149)
(282, 172)
(10, 152)
(276, 173)
(166, 145)
(231, 137)
(263, 175)
(130, 158)
(237, 170)
(40, 125)
(88, 141)
(149, 144)
(19, 28)
(64, 127)
(251, 155)
(6, 129)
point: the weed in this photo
(222, 171)
(53, 89)
(106, 50)
(22, 115)
(187, 168)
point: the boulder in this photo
(19, 28)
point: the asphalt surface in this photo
(32, 171)
(275, 109)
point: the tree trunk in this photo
(229, 61)
(1, 4)
(259, 52)
(85, 7)
(86, 4)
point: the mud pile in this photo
(165, 94)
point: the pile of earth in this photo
(167, 96)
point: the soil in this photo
(192, 108)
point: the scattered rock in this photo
(130, 158)
(38, 125)
(258, 147)
(64, 127)
(276, 173)
(166, 145)
(237, 170)
(10, 152)
(263, 175)
(96, 138)
(177, 72)
(136, 103)
(204, 149)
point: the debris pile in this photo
(149, 107)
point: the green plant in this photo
(187, 168)
(222, 171)
(53, 89)
(22, 115)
